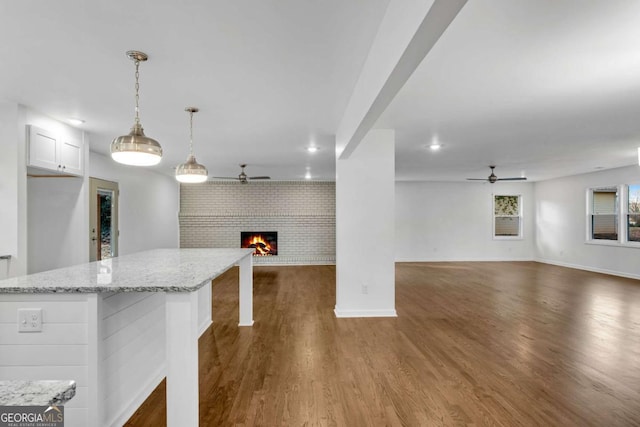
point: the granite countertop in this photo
(36, 393)
(158, 270)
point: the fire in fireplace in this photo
(265, 243)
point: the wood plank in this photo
(485, 343)
(58, 311)
(51, 334)
(43, 355)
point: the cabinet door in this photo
(42, 151)
(70, 156)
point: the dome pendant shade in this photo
(191, 171)
(136, 148)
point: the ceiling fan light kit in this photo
(191, 172)
(493, 178)
(136, 148)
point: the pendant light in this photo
(136, 149)
(191, 171)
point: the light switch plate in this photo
(29, 320)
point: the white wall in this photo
(452, 221)
(561, 224)
(57, 223)
(58, 209)
(148, 205)
(55, 228)
(12, 201)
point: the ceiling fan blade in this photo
(512, 179)
(477, 179)
(259, 177)
(224, 177)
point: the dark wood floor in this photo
(510, 344)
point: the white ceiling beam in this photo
(409, 29)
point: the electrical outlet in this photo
(29, 320)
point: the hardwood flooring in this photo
(508, 344)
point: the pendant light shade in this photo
(136, 148)
(191, 172)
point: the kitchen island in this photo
(117, 327)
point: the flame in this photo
(260, 245)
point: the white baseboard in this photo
(204, 326)
(587, 268)
(365, 313)
(121, 418)
(464, 260)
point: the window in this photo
(632, 207)
(604, 213)
(507, 217)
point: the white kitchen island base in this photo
(109, 328)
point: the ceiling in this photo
(545, 89)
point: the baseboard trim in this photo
(587, 268)
(204, 326)
(143, 394)
(364, 313)
(401, 260)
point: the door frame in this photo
(96, 184)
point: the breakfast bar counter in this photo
(118, 326)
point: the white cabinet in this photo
(52, 152)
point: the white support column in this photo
(246, 290)
(365, 229)
(182, 359)
(95, 398)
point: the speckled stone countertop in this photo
(158, 270)
(36, 393)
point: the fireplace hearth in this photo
(265, 243)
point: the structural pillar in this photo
(365, 228)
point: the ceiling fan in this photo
(243, 178)
(493, 178)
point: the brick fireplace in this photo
(302, 214)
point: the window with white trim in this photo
(632, 213)
(603, 214)
(507, 216)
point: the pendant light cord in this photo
(191, 132)
(137, 92)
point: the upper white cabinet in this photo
(46, 150)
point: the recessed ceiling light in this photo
(312, 149)
(435, 146)
(76, 122)
(307, 175)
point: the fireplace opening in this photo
(265, 243)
